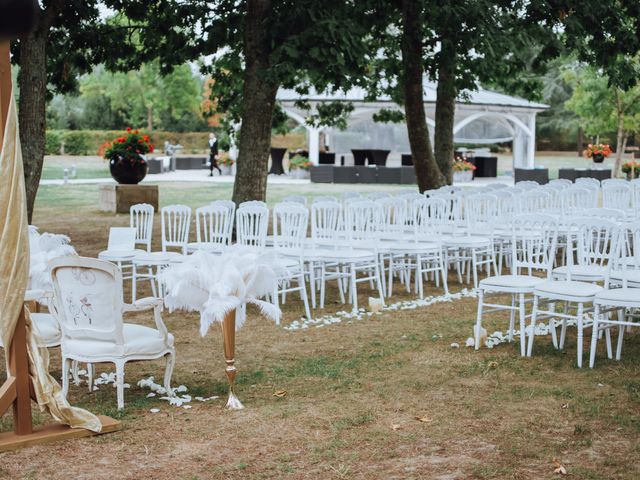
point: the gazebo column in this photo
(313, 136)
(531, 140)
(519, 141)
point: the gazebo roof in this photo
(480, 98)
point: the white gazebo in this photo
(481, 117)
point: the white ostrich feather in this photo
(43, 248)
(217, 284)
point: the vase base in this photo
(233, 402)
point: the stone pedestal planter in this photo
(462, 177)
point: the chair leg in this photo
(323, 281)
(66, 366)
(443, 272)
(312, 284)
(275, 302)
(479, 319)
(390, 280)
(120, 384)
(134, 282)
(379, 283)
(621, 318)
(594, 336)
(168, 372)
(580, 332)
(552, 326)
(90, 372)
(353, 289)
(303, 294)
(523, 326)
(512, 318)
(419, 279)
(534, 316)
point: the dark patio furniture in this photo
(326, 158)
(540, 175)
(359, 156)
(408, 176)
(367, 174)
(277, 155)
(389, 175)
(155, 166)
(406, 160)
(486, 167)
(322, 174)
(574, 173)
(345, 175)
(378, 157)
(190, 163)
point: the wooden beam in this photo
(53, 433)
(7, 394)
(19, 368)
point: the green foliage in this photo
(601, 106)
(76, 143)
(53, 142)
(299, 162)
(147, 97)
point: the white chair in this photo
(214, 225)
(120, 247)
(624, 298)
(607, 213)
(588, 182)
(595, 238)
(290, 222)
(141, 218)
(618, 196)
(561, 183)
(533, 248)
(324, 198)
(175, 223)
(534, 201)
(252, 222)
(253, 203)
(527, 185)
(88, 304)
(302, 200)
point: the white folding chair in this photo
(214, 224)
(252, 222)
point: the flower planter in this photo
(128, 172)
(463, 177)
(226, 169)
(597, 158)
(299, 173)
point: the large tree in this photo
(64, 42)
(252, 48)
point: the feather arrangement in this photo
(43, 248)
(216, 284)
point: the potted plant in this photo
(632, 169)
(462, 169)
(126, 155)
(226, 164)
(597, 152)
(299, 167)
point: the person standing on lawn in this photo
(213, 154)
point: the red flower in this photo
(128, 129)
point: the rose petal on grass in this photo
(280, 393)
(558, 468)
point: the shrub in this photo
(52, 142)
(76, 143)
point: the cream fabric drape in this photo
(14, 275)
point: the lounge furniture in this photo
(389, 175)
(345, 175)
(359, 156)
(486, 167)
(322, 173)
(277, 155)
(540, 175)
(378, 157)
(367, 174)
(574, 173)
(406, 160)
(326, 158)
(191, 163)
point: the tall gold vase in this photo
(229, 339)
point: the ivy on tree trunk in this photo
(427, 171)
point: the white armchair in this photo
(89, 307)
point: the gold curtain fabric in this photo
(14, 275)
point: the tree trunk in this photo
(150, 118)
(580, 142)
(620, 145)
(258, 102)
(32, 81)
(424, 163)
(446, 94)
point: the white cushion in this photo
(119, 255)
(138, 339)
(467, 242)
(525, 283)
(580, 291)
(47, 327)
(626, 297)
(158, 258)
(582, 272)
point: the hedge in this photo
(87, 142)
